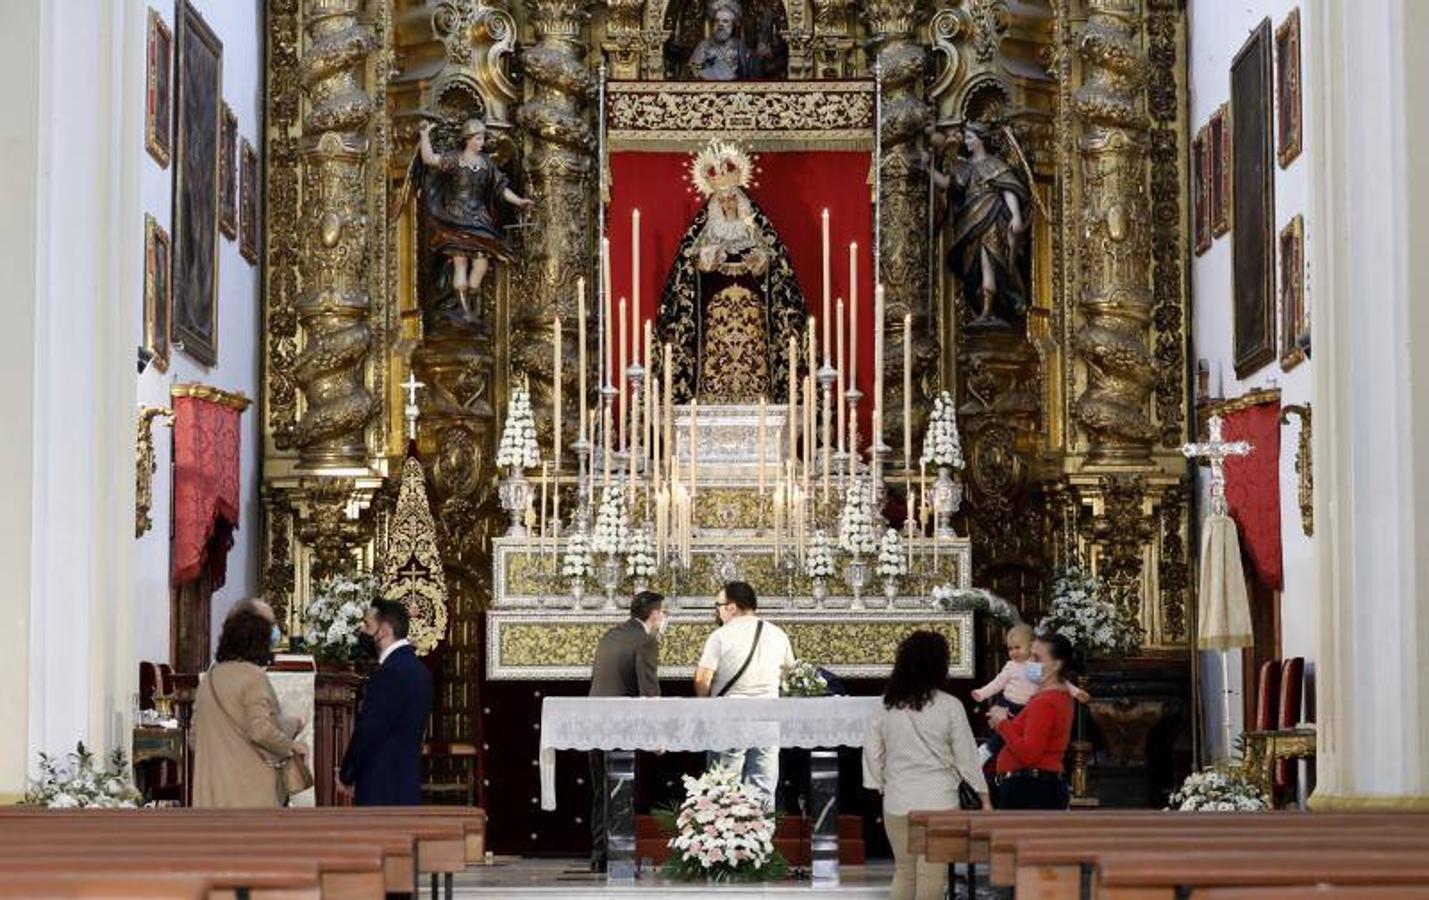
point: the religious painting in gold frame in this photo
(1294, 321)
(158, 292)
(198, 103)
(1253, 195)
(1201, 175)
(1287, 88)
(1218, 140)
(248, 202)
(228, 175)
(159, 91)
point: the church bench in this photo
(1047, 868)
(1312, 892)
(1169, 874)
(110, 886)
(260, 879)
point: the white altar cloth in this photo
(695, 723)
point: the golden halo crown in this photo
(721, 166)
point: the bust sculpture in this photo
(724, 56)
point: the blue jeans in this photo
(757, 766)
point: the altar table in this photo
(622, 725)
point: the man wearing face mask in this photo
(383, 763)
(627, 664)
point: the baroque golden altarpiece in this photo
(1070, 425)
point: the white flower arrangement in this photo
(576, 562)
(612, 523)
(892, 561)
(78, 781)
(1084, 611)
(640, 554)
(941, 445)
(518, 448)
(1218, 790)
(723, 832)
(856, 532)
(332, 619)
(819, 561)
(802, 679)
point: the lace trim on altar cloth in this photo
(686, 724)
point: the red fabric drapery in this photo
(206, 466)
(793, 188)
(1253, 488)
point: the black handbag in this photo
(967, 797)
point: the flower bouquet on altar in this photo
(722, 832)
(333, 617)
(78, 781)
(1085, 612)
(576, 563)
(941, 446)
(819, 562)
(518, 449)
(892, 562)
(856, 532)
(1218, 790)
(802, 679)
(640, 563)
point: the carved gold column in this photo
(1114, 238)
(833, 41)
(559, 162)
(333, 305)
(904, 225)
(624, 43)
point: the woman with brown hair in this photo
(1029, 767)
(918, 751)
(241, 739)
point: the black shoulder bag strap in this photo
(758, 630)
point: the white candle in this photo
(607, 333)
(763, 405)
(635, 263)
(624, 357)
(853, 318)
(580, 347)
(694, 447)
(667, 446)
(544, 475)
(808, 429)
(649, 363)
(878, 337)
(793, 397)
(841, 370)
(908, 392)
(558, 344)
(606, 444)
(828, 268)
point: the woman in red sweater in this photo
(1029, 768)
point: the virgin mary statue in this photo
(731, 301)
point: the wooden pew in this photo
(1169, 875)
(261, 879)
(112, 886)
(1313, 892)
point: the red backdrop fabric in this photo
(793, 188)
(206, 465)
(1253, 488)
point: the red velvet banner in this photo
(793, 188)
(1253, 488)
(206, 464)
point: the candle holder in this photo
(676, 568)
(819, 592)
(582, 518)
(577, 592)
(635, 374)
(515, 494)
(890, 588)
(947, 498)
(827, 376)
(879, 452)
(856, 576)
(853, 459)
(611, 571)
(607, 399)
(788, 566)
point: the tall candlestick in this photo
(624, 357)
(694, 447)
(580, 347)
(911, 504)
(793, 395)
(840, 368)
(813, 355)
(853, 318)
(667, 446)
(763, 441)
(908, 392)
(607, 327)
(828, 268)
(558, 344)
(808, 429)
(649, 362)
(606, 442)
(635, 263)
(544, 475)
(877, 436)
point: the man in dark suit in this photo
(627, 663)
(383, 763)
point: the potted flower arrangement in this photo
(1084, 611)
(576, 563)
(942, 448)
(79, 780)
(333, 617)
(802, 679)
(1218, 790)
(722, 832)
(819, 563)
(892, 562)
(611, 538)
(517, 452)
(856, 534)
(640, 558)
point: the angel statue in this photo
(731, 300)
(724, 56)
(461, 190)
(987, 218)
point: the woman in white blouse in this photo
(918, 750)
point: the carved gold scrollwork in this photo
(1304, 465)
(146, 465)
(327, 526)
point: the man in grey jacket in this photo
(627, 664)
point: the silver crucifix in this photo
(410, 411)
(1216, 451)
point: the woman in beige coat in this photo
(241, 740)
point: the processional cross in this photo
(410, 411)
(1217, 450)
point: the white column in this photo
(1370, 192)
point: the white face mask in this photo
(1035, 672)
(662, 627)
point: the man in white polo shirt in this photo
(745, 657)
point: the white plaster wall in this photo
(238, 24)
(1218, 29)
